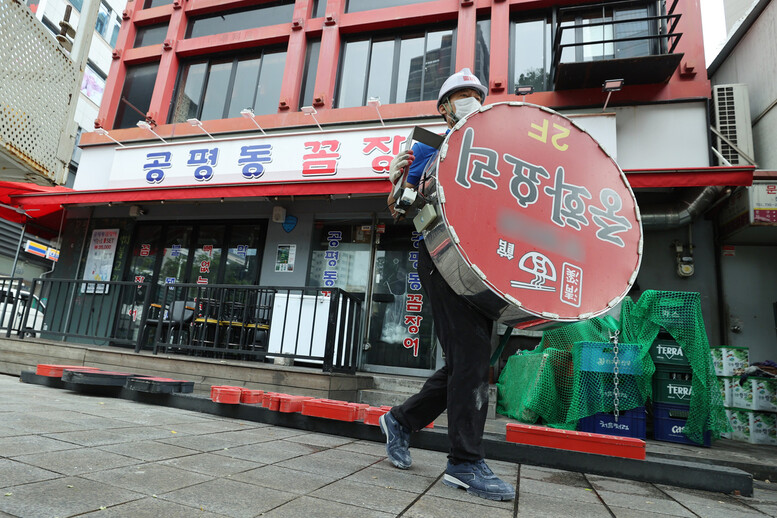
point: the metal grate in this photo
(727, 122)
(37, 81)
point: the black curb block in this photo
(656, 470)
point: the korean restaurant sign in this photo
(342, 155)
(335, 156)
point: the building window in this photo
(108, 24)
(93, 84)
(396, 69)
(77, 4)
(531, 53)
(354, 6)
(136, 95)
(311, 65)
(150, 35)
(319, 8)
(156, 3)
(220, 88)
(596, 31)
(483, 50)
(271, 13)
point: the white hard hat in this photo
(462, 79)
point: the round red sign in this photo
(540, 211)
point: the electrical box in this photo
(278, 214)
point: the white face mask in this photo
(465, 106)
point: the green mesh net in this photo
(570, 375)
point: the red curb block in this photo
(614, 446)
(251, 397)
(289, 404)
(338, 410)
(373, 413)
(225, 394)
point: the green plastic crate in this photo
(666, 351)
(672, 386)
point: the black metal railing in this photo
(17, 306)
(252, 323)
(662, 29)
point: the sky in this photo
(713, 27)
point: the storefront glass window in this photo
(142, 264)
(187, 105)
(401, 327)
(136, 95)
(243, 253)
(340, 257)
(402, 68)
(175, 255)
(269, 13)
(207, 255)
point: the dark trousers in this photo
(461, 385)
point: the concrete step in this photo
(398, 384)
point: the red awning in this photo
(44, 217)
(49, 199)
(690, 177)
(198, 192)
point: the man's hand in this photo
(398, 165)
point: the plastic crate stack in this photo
(751, 405)
(599, 358)
(671, 391)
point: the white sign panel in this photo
(99, 262)
(342, 155)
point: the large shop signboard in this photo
(344, 155)
(99, 261)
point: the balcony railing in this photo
(252, 323)
(655, 65)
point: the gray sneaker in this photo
(478, 479)
(397, 441)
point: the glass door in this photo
(401, 332)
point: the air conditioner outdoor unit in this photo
(732, 120)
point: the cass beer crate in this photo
(672, 386)
(669, 423)
(666, 351)
(631, 423)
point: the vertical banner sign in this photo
(99, 262)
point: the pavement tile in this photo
(66, 496)
(767, 509)
(578, 494)
(429, 506)
(262, 434)
(393, 479)
(617, 485)
(203, 443)
(230, 497)
(24, 444)
(366, 447)
(284, 479)
(532, 505)
(207, 426)
(425, 463)
(15, 473)
(376, 498)
(103, 437)
(622, 512)
(269, 452)
(149, 479)
(210, 464)
(318, 508)
(440, 490)
(764, 495)
(331, 462)
(77, 461)
(320, 439)
(38, 424)
(709, 505)
(148, 450)
(644, 503)
(564, 478)
(151, 508)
